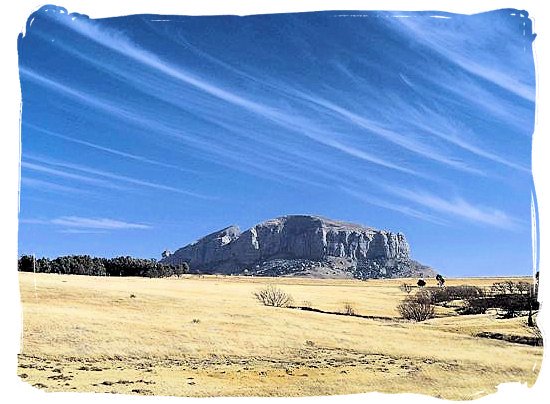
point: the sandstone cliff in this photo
(302, 245)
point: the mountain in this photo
(302, 245)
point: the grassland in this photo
(207, 336)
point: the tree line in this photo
(87, 265)
(508, 298)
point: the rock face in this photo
(302, 245)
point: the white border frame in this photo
(13, 23)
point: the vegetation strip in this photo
(338, 313)
(516, 339)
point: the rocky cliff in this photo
(302, 245)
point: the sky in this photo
(144, 133)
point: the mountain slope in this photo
(302, 245)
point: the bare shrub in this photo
(348, 310)
(465, 292)
(306, 304)
(513, 288)
(513, 298)
(273, 296)
(417, 307)
(405, 288)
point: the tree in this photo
(421, 283)
(440, 280)
(87, 265)
(26, 263)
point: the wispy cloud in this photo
(68, 175)
(445, 129)
(98, 173)
(402, 140)
(109, 150)
(50, 186)
(441, 41)
(80, 231)
(234, 155)
(96, 223)
(459, 208)
(395, 135)
(74, 224)
(473, 94)
(117, 42)
(400, 208)
(306, 128)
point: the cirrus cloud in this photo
(78, 222)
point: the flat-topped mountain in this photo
(302, 245)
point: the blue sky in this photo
(142, 133)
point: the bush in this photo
(405, 288)
(465, 292)
(417, 307)
(512, 305)
(421, 283)
(478, 305)
(513, 298)
(348, 310)
(449, 293)
(273, 296)
(438, 295)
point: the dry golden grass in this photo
(208, 336)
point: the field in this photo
(208, 336)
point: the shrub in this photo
(348, 310)
(502, 288)
(511, 305)
(405, 288)
(513, 298)
(438, 295)
(465, 292)
(417, 307)
(478, 305)
(273, 296)
(421, 283)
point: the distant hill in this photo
(303, 245)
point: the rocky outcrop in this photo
(302, 245)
